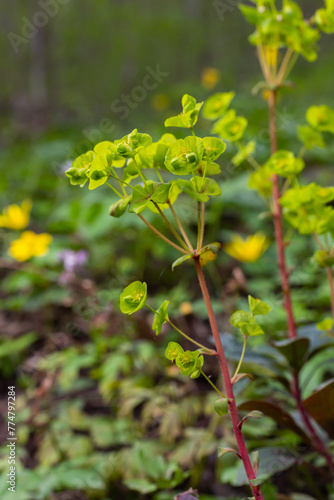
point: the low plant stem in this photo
(119, 181)
(227, 383)
(241, 359)
(159, 175)
(213, 385)
(182, 230)
(284, 65)
(141, 175)
(316, 440)
(319, 242)
(278, 223)
(209, 351)
(263, 63)
(161, 235)
(170, 227)
(114, 189)
(251, 160)
(126, 184)
(331, 287)
(202, 223)
(199, 227)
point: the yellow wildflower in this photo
(248, 250)
(210, 78)
(160, 102)
(30, 244)
(15, 217)
(186, 308)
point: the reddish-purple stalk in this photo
(278, 224)
(250, 472)
(277, 216)
(331, 287)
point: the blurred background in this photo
(74, 73)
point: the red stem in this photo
(317, 442)
(227, 383)
(278, 225)
(331, 287)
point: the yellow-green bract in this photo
(133, 297)
(189, 115)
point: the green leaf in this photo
(140, 199)
(260, 479)
(188, 103)
(310, 137)
(173, 350)
(133, 297)
(209, 253)
(161, 192)
(284, 163)
(14, 347)
(131, 144)
(292, 9)
(321, 118)
(258, 307)
(99, 172)
(221, 406)
(189, 115)
(320, 405)
(305, 208)
(210, 168)
(109, 150)
(323, 258)
(143, 486)
(240, 318)
(324, 18)
(182, 259)
(199, 188)
(223, 451)
(230, 127)
(184, 155)
(154, 155)
(329, 5)
(294, 350)
(306, 196)
(160, 317)
(143, 195)
(245, 151)
(131, 171)
(213, 148)
(256, 414)
(118, 208)
(252, 14)
(251, 329)
(261, 181)
(217, 104)
(189, 362)
(77, 172)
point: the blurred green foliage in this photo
(85, 376)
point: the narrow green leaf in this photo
(258, 307)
